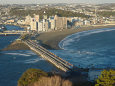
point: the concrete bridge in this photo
(52, 58)
(12, 32)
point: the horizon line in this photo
(51, 3)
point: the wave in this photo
(86, 52)
(18, 54)
(82, 52)
(67, 40)
(30, 53)
(33, 60)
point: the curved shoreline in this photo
(51, 40)
(83, 33)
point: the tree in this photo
(31, 76)
(107, 78)
(49, 11)
(106, 13)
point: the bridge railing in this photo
(40, 47)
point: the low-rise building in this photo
(78, 23)
(10, 21)
(28, 20)
(87, 22)
(21, 22)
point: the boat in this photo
(2, 28)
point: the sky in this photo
(53, 1)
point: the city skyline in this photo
(54, 1)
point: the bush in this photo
(107, 78)
(30, 76)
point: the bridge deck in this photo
(57, 61)
(12, 32)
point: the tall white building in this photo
(46, 25)
(33, 24)
(40, 26)
(60, 22)
(37, 18)
(52, 23)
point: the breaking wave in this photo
(67, 40)
(33, 60)
(17, 54)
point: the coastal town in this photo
(48, 17)
(57, 44)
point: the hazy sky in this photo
(53, 1)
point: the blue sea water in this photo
(6, 40)
(11, 27)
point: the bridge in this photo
(12, 32)
(52, 58)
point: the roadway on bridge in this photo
(57, 61)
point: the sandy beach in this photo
(50, 40)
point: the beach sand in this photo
(16, 45)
